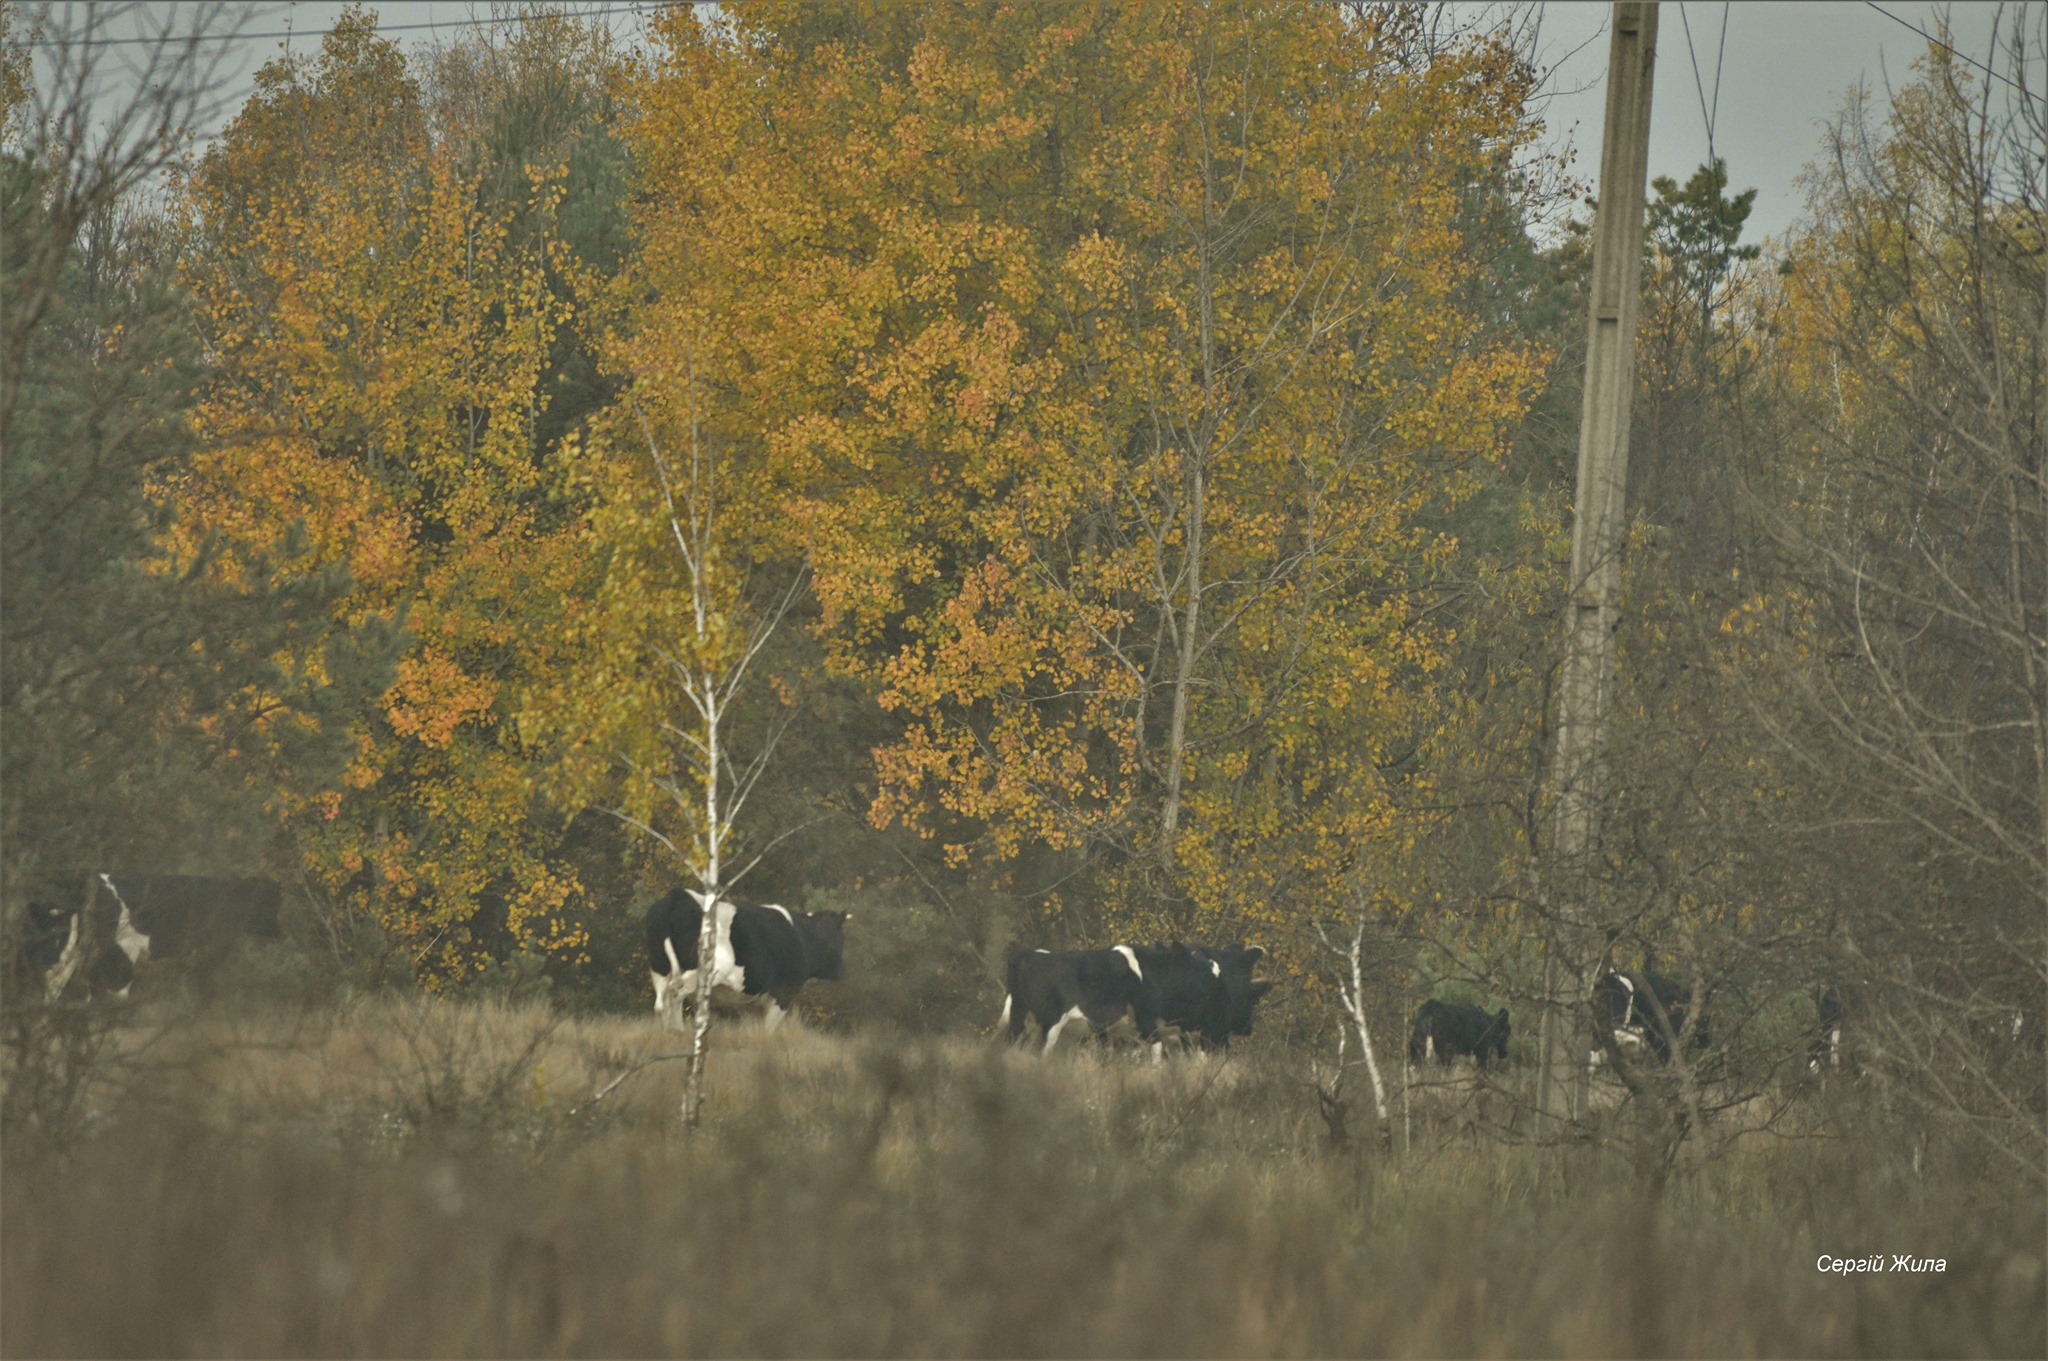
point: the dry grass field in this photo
(400, 1177)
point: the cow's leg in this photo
(1052, 1036)
(674, 989)
(1146, 1018)
(1101, 1021)
(676, 977)
(781, 1004)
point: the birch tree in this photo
(666, 718)
(1350, 983)
(709, 667)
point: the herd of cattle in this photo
(1191, 995)
(1644, 1012)
(765, 952)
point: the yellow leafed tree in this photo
(387, 337)
(1110, 369)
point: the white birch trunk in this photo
(1351, 995)
(710, 670)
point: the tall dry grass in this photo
(414, 1178)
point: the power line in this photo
(1699, 86)
(522, 17)
(1720, 65)
(1946, 47)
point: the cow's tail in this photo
(1012, 975)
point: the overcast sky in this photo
(1782, 70)
(1784, 73)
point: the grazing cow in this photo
(1631, 1003)
(68, 953)
(1445, 1030)
(674, 922)
(758, 950)
(1100, 987)
(1205, 993)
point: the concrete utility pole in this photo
(1598, 533)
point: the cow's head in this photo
(1496, 1038)
(46, 929)
(1238, 963)
(825, 944)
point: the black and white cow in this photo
(1646, 1010)
(1204, 993)
(758, 950)
(1099, 987)
(83, 955)
(1444, 1031)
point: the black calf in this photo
(1445, 1030)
